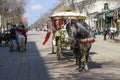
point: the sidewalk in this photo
(23, 66)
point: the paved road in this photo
(104, 63)
(38, 64)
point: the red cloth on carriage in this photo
(46, 38)
(54, 25)
(57, 22)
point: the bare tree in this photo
(68, 3)
(42, 20)
(11, 10)
(82, 5)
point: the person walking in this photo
(112, 30)
(13, 42)
(109, 34)
(24, 34)
(105, 31)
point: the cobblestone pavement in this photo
(39, 64)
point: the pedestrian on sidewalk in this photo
(21, 41)
(105, 32)
(112, 30)
(13, 41)
(24, 34)
(109, 35)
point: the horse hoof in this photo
(77, 68)
(80, 69)
(86, 68)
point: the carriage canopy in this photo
(61, 18)
(65, 15)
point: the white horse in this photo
(21, 42)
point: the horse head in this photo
(78, 30)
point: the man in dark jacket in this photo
(13, 42)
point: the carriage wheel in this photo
(58, 52)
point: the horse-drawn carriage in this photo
(60, 37)
(70, 30)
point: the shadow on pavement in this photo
(92, 53)
(115, 41)
(91, 63)
(66, 59)
(28, 65)
(94, 65)
(66, 70)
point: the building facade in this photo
(93, 7)
(87, 7)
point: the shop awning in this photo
(110, 13)
(118, 11)
(99, 15)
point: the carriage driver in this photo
(59, 24)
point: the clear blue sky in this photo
(35, 8)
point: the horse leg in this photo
(86, 66)
(81, 64)
(87, 57)
(74, 55)
(79, 60)
(83, 60)
(75, 60)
